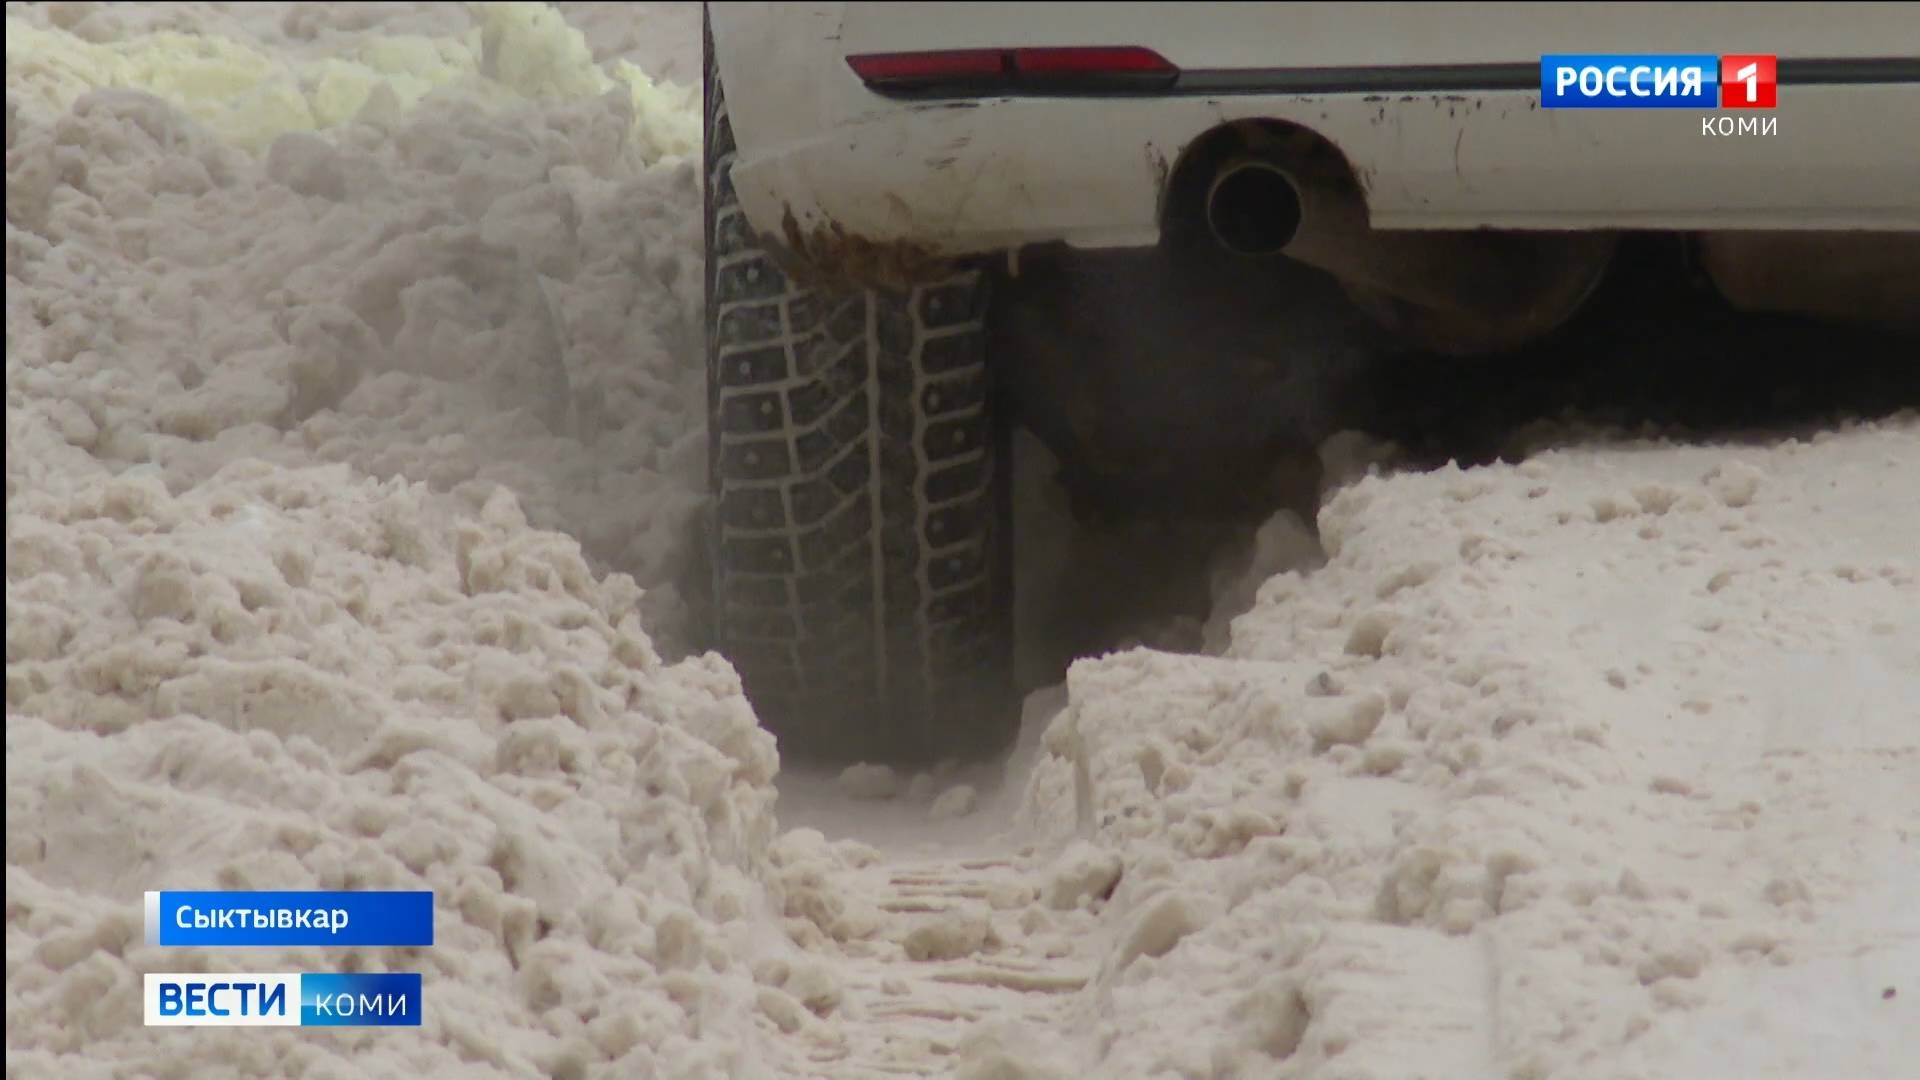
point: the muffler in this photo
(1453, 291)
(1865, 278)
(1253, 208)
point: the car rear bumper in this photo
(819, 153)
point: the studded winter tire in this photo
(860, 531)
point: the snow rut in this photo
(952, 951)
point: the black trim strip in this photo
(1358, 80)
(1400, 79)
(1889, 69)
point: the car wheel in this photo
(861, 520)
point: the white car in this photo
(876, 170)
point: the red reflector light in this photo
(916, 66)
(1054, 70)
(1097, 59)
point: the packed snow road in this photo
(353, 461)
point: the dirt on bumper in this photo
(827, 255)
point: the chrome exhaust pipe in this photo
(1253, 208)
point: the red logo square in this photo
(1747, 82)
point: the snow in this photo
(308, 335)
(1604, 764)
(354, 461)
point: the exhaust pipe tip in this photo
(1253, 208)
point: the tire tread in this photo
(859, 536)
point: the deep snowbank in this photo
(1603, 765)
(297, 304)
(484, 268)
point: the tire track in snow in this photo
(953, 949)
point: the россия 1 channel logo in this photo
(1626, 81)
(282, 999)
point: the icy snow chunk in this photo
(922, 787)
(814, 985)
(948, 937)
(1407, 577)
(1275, 1015)
(1369, 634)
(1081, 872)
(780, 1008)
(163, 587)
(1735, 483)
(1000, 1050)
(1346, 721)
(307, 164)
(1160, 926)
(867, 781)
(956, 801)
